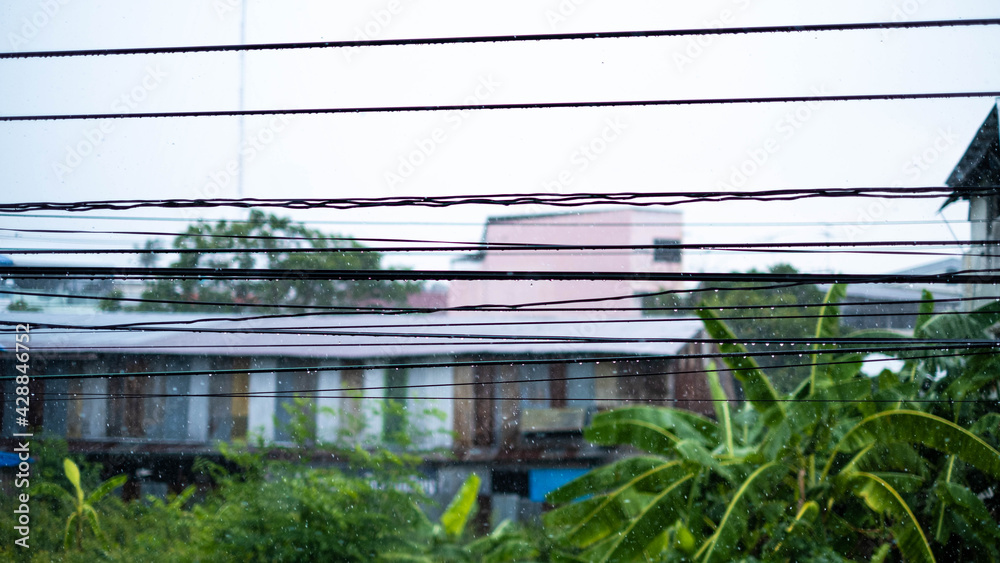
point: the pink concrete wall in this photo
(617, 227)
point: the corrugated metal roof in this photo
(356, 336)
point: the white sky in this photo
(653, 148)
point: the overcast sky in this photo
(748, 147)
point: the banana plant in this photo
(82, 505)
(845, 466)
(440, 541)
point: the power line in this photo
(52, 328)
(508, 106)
(651, 400)
(492, 382)
(510, 340)
(457, 246)
(318, 331)
(635, 199)
(990, 345)
(208, 220)
(865, 26)
(971, 276)
(335, 309)
(507, 251)
(534, 307)
(499, 339)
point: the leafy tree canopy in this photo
(761, 319)
(277, 235)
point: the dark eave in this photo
(979, 167)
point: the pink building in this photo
(613, 227)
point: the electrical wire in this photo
(990, 345)
(334, 309)
(645, 223)
(651, 400)
(508, 106)
(810, 28)
(159, 325)
(365, 389)
(503, 247)
(638, 199)
(318, 330)
(534, 339)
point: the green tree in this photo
(113, 303)
(236, 244)
(762, 319)
(844, 467)
(22, 306)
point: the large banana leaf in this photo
(682, 423)
(972, 325)
(990, 422)
(926, 310)
(757, 386)
(881, 497)
(587, 523)
(968, 504)
(699, 455)
(881, 457)
(658, 515)
(980, 371)
(727, 533)
(639, 433)
(106, 487)
(73, 474)
(604, 478)
(828, 326)
(916, 427)
(721, 404)
(456, 516)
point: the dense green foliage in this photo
(22, 306)
(264, 511)
(902, 466)
(276, 235)
(372, 509)
(756, 317)
(846, 467)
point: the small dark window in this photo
(510, 482)
(667, 254)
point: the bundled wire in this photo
(971, 276)
(636, 199)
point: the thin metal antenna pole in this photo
(243, 70)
